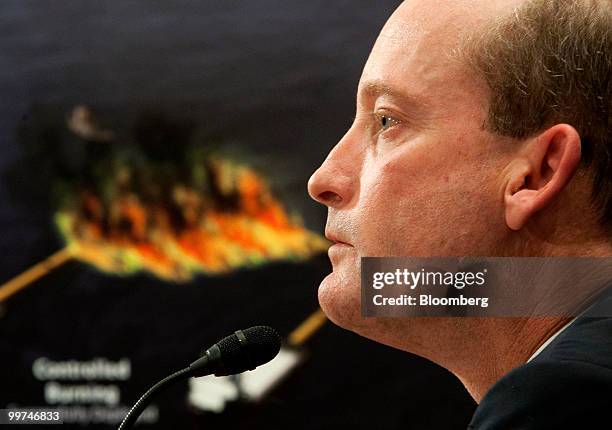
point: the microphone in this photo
(236, 353)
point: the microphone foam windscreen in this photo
(247, 349)
(263, 343)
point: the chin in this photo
(340, 299)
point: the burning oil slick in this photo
(159, 199)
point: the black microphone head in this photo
(247, 349)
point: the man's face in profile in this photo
(416, 174)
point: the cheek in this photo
(423, 203)
(393, 197)
(383, 221)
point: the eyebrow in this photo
(378, 88)
(414, 105)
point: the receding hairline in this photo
(548, 62)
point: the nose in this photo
(335, 182)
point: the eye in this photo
(385, 121)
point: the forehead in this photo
(416, 51)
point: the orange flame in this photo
(130, 235)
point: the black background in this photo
(276, 78)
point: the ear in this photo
(546, 165)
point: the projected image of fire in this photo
(200, 213)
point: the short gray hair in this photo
(546, 63)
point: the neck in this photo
(512, 341)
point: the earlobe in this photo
(548, 163)
(519, 207)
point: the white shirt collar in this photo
(550, 339)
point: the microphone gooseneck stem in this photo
(244, 350)
(146, 398)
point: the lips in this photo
(334, 237)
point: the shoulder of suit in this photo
(547, 394)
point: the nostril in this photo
(330, 197)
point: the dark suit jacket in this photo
(567, 386)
